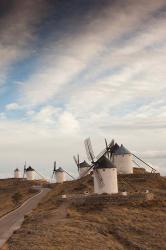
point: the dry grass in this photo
(61, 224)
(10, 186)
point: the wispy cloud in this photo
(12, 106)
(18, 28)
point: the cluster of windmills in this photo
(113, 160)
(28, 173)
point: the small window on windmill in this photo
(103, 169)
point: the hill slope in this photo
(97, 223)
(8, 187)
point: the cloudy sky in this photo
(79, 68)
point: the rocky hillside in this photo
(78, 222)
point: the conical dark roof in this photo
(104, 162)
(122, 151)
(16, 170)
(59, 170)
(29, 169)
(84, 164)
(114, 148)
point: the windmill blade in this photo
(75, 160)
(89, 150)
(54, 165)
(52, 175)
(24, 170)
(111, 144)
(107, 150)
(103, 152)
(54, 170)
(78, 161)
(85, 173)
(106, 144)
(110, 147)
(99, 178)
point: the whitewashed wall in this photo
(60, 177)
(109, 176)
(17, 174)
(30, 175)
(123, 163)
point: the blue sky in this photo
(72, 69)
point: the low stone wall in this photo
(140, 175)
(105, 199)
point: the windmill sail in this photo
(99, 178)
(107, 150)
(76, 160)
(54, 170)
(91, 157)
(24, 172)
(89, 150)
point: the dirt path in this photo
(13, 220)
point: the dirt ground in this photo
(65, 224)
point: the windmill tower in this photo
(104, 172)
(58, 174)
(123, 159)
(30, 173)
(17, 173)
(83, 167)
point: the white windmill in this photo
(104, 172)
(30, 173)
(83, 167)
(123, 159)
(17, 173)
(58, 174)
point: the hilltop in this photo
(97, 222)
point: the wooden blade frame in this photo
(99, 178)
(89, 150)
(107, 150)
